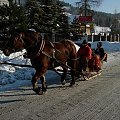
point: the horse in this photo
(43, 54)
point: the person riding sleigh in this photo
(84, 54)
(101, 52)
(88, 61)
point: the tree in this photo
(16, 21)
(54, 16)
(33, 14)
(3, 18)
(42, 15)
(10, 20)
(46, 16)
(86, 5)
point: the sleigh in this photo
(44, 55)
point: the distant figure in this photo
(100, 51)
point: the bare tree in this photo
(88, 4)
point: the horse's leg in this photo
(43, 81)
(39, 74)
(73, 71)
(34, 82)
(73, 78)
(63, 76)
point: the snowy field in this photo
(12, 77)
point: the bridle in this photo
(39, 41)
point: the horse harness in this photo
(41, 47)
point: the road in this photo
(95, 99)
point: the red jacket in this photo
(94, 63)
(85, 52)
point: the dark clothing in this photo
(101, 52)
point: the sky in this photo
(12, 77)
(108, 6)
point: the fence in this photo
(110, 38)
(91, 38)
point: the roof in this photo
(98, 29)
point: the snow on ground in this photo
(12, 77)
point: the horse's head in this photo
(23, 40)
(15, 43)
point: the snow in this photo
(99, 29)
(12, 77)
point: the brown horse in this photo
(43, 54)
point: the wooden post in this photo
(92, 37)
(100, 37)
(118, 38)
(110, 38)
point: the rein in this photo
(52, 45)
(41, 47)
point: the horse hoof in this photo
(44, 92)
(63, 83)
(71, 84)
(41, 91)
(38, 91)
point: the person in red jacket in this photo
(85, 51)
(85, 54)
(94, 63)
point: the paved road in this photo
(96, 99)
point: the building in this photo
(101, 30)
(81, 26)
(2, 2)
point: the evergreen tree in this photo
(43, 15)
(34, 14)
(12, 18)
(54, 16)
(3, 19)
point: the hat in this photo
(84, 42)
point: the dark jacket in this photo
(101, 52)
